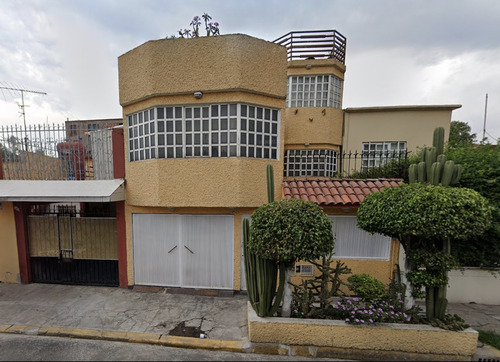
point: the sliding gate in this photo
(68, 247)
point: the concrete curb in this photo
(131, 337)
(484, 353)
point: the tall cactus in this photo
(435, 169)
(261, 274)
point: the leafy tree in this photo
(288, 231)
(460, 135)
(423, 218)
(481, 172)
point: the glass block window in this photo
(314, 91)
(311, 162)
(216, 130)
(376, 154)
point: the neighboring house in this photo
(379, 133)
(202, 119)
(60, 224)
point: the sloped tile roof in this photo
(335, 192)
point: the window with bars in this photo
(314, 91)
(376, 154)
(217, 130)
(311, 162)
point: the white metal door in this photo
(184, 250)
(156, 249)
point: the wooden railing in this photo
(316, 44)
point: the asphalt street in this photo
(37, 348)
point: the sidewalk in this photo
(126, 315)
(157, 317)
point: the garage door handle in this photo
(188, 249)
(171, 249)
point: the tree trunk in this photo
(286, 308)
(409, 300)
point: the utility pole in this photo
(485, 109)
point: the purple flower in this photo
(362, 321)
(347, 320)
(405, 315)
(356, 320)
(216, 24)
(371, 320)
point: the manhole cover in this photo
(181, 330)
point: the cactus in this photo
(435, 169)
(261, 274)
(270, 183)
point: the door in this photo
(68, 246)
(156, 249)
(194, 251)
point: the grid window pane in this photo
(310, 162)
(224, 130)
(376, 154)
(314, 91)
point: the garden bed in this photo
(335, 338)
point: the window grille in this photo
(376, 154)
(310, 162)
(217, 130)
(314, 91)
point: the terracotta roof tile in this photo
(335, 192)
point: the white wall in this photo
(474, 285)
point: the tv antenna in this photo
(22, 105)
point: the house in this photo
(60, 224)
(202, 119)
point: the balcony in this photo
(56, 152)
(315, 44)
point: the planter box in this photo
(474, 285)
(333, 338)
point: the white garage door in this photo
(194, 251)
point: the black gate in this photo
(73, 244)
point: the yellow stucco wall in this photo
(229, 68)
(413, 124)
(313, 125)
(9, 262)
(400, 339)
(206, 64)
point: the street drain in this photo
(181, 330)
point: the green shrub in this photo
(367, 287)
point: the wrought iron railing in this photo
(368, 164)
(55, 152)
(316, 44)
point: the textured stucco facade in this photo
(314, 127)
(9, 262)
(402, 341)
(226, 69)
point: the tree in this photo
(481, 172)
(287, 231)
(423, 218)
(460, 135)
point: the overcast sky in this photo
(398, 52)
